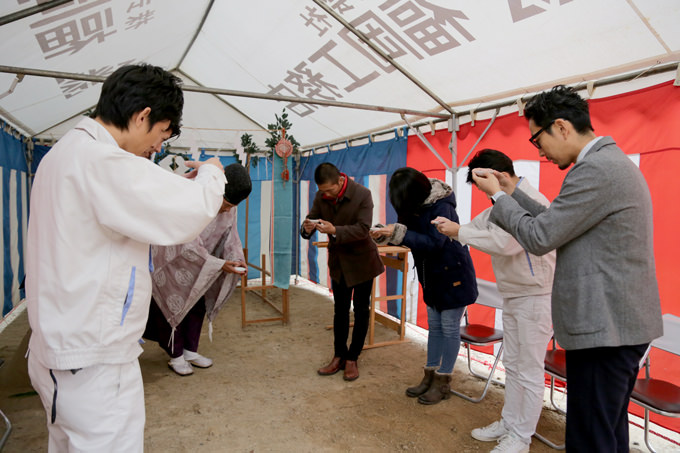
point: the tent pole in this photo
(384, 55)
(31, 11)
(198, 30)
(427, 144)
(220, 91)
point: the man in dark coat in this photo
(343, 210)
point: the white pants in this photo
(527, 329)
(98, 409)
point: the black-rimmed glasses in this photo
(534, 137)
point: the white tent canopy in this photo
(446, 56)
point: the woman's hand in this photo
(378, 232)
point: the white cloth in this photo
(95, 209)
(525, 282)
(527, 329)
(99, 408)
(184, 273)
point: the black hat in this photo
(238, 185)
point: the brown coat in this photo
(351, 251)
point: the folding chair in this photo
(656, 395)
(556, 368)
(8, 425)
(481, 335)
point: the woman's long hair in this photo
(408, 189)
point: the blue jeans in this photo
(443, 339)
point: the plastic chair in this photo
(556, 368)
(656, 395)
(480, 335)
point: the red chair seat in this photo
(659, 394)
(480, 334)
(556, 362)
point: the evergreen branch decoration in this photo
(275, 132)
(250, 148)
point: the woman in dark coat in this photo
(444, 268)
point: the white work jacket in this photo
(95, 210)
(518, 272)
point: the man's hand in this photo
(196, 164)
(235, 267)
(446, 226)
(326, 227)
(309, 225)
(491, 181)
(386, 231)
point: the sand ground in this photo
(263, 393)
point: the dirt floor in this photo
(263, 393)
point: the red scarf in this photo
(340, 194)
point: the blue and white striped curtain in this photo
(14, 189)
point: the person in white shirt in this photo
(525, 282)
(97, 203)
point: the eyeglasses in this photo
(534, 137)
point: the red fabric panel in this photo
(508, 134)
(659, 168)
(640, 121)
(421, 316)
(551, 179)
(421, 158)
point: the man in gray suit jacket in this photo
(605, 299)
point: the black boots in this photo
(423, 386)
(439, 390)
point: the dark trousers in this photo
(187, 334)
(599, 384)
(342, 295)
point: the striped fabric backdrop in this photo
(14, 205)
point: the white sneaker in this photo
(180, 366)
(494, 431)
(197, 359)
(511, 443)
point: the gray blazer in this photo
(605, 291)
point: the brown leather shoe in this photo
(351, 370)
(336, 365)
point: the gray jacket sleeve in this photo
(582, 203)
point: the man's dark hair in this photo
(238, 185)
(408, 189)
(490, 158)
(560, 102)
(326, 173)
(132, 88)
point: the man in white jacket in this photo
(97, 204)
(525, 282)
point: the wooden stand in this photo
(396, 257)
(263, 288)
